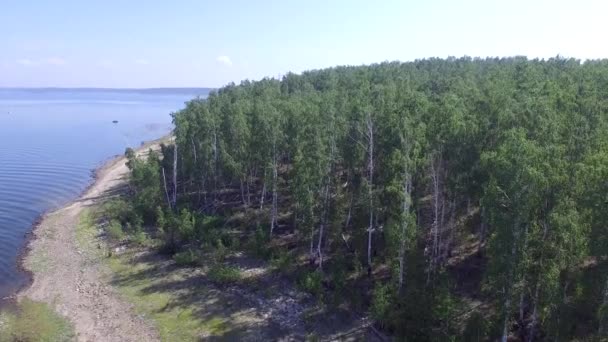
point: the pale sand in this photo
(75, 281)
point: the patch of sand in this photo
(73, 280)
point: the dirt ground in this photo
(73, 280)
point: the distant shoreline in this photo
(154, 90)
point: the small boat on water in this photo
(115, 121)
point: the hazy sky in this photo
(167, 43)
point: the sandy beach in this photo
(75, 281)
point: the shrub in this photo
(312, 282)
(187, 258)
(119, 209)
(282, 260)
(140, 238)
(381, 304)
(260, 243)
(161, 221)
(114, 231)
(220, 251)
(224, 274)
(186, 225)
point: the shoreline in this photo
(70, 275)
(30, 236)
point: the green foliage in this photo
(515, 148)
(224, 274)
(221, 251)
(145, 184)
(259, 244)
(140, 238)
(382, 304)
(114, 230)
(188, 257)
(161, 221)
(186, 224)
(34, 321)
(312, 282)
(282, 260)
(119, 209)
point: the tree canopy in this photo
(422, 172)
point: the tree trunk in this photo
(273, 214)
(243, 192)
(534, 315)
(166, 191)
(602, 326)
(483, 227)
(537, 291)
(521, 305)
(404, 227)
(349, 215)
(194, 150)
(174, 174)
(322, 225)
(370, 228)
(263, 195)
(505, 326)
(215, 166)
(437, 212)
(312, 238)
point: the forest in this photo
(448, 199)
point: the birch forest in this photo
(448, 199)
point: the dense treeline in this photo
(464, 188)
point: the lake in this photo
(51, 139)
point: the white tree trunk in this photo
(174, 199)
(323, 223)
(349, 215)
(243, 192)
(166, 191)
(263, 196)
(370, 228)
(194, 150)
(505, 326)
(275, 177)
(312, 237)
(537, 291)
(534, 315)
(435, 178)
(483, 227)
(215, 165)
(404, 228)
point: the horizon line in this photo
(108, 88)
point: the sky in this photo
(198, 43)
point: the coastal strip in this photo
(75, 281)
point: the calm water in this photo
(51, 139)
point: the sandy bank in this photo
(75, 281)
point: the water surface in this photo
(51, 139)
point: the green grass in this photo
(186, 258)
(34, 321)
(224, 274)
(115, 231)
(174, 322)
